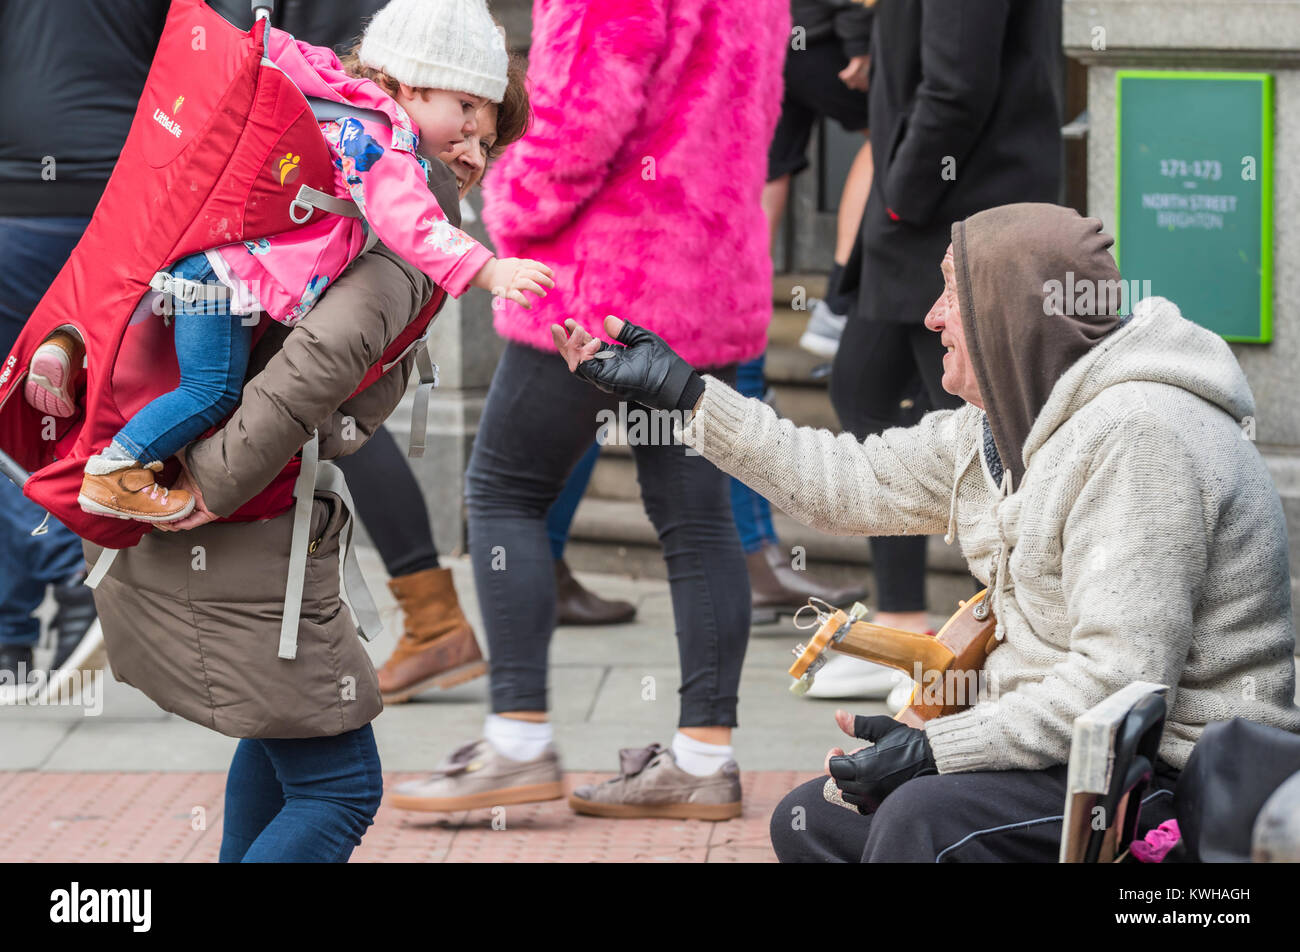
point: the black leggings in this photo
(880, 364)
(390, 505)
(537, 423)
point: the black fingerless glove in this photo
(645, 370)
(898, 753)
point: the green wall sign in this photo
(1194, 194)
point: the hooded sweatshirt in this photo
(1144, 542)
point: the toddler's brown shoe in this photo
(127, 490)
(52, 374)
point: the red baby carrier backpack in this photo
(223, 148)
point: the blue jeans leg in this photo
(32, 250)
(301, 800)
(212, 348)
(752, 512)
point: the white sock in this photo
(698, 758)
(516, 739)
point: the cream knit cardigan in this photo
(1146, 542)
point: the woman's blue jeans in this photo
(301, 800)
(752, 512)
(212, 348)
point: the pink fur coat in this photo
(639, 180)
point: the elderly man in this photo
(1097, 478)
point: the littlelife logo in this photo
(167, 122)
(103, 905)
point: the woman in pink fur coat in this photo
(639, 184)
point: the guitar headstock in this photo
(832, 625)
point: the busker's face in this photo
(945, 320)
(445, 117)
(468, 158)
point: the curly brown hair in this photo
(515, 112)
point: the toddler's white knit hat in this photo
(438, 44)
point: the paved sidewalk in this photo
(125, 784)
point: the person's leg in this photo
(32, 250)
(806, 828)
(686, 498)
(853, 201)
(560, 516)
(873, 370)
(537, 422)
(253, 799)
(390, 505)
(753, 513)
(332, 787)
(212, 347)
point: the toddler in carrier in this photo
(428, 66)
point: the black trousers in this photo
(537, 423)
(390, 505)
(879, 365)
(1008, 816)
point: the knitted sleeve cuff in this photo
(716, 426)
(962, 742)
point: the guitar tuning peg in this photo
(798, 650)
(858, 611)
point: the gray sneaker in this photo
(477, 776)
(824, 330)
(651, 784)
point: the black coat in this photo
(335, 23)
(71, 72)
(965, 115)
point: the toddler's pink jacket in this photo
(375, 166)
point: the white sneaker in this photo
(901, 694)
(847, 677)
(825, 327)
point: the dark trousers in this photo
(1007, 816)
(390, 505)
(537, 423)
(879, 365)
(32, 250)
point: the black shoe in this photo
(15, 664)
(73, 618)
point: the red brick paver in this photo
(176, 817)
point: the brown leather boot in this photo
(776, 588)
(437, 647)
(575, 605)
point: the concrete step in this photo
(794, 285)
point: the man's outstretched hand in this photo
(644, 369)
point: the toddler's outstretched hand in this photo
(511, 277)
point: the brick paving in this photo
(55, 816)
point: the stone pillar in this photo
(1249, 35)
(466, 350)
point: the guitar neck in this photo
(895, 648)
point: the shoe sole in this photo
(663, 811)
(819, 345)
(98, 509)
(47, 380)
(530, 793)
(442, 680)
